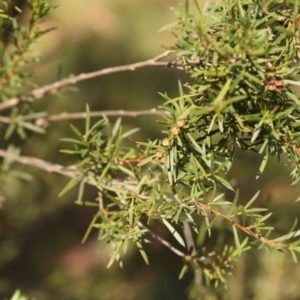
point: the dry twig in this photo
(53, 87)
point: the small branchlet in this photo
(243, 61)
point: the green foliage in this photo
(244, 55)
(17, 41)
(243, 61)
(242, 58)
(16, 47)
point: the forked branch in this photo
(53, 87)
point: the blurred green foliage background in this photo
(41, 233)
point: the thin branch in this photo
(161, 240)
(112, 113)
(43, 122)
(242, 228)
(72, 172)
(52, 88)
(82, 115)
(54, 168)
(38, 163)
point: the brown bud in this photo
(276, 84)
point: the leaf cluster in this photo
(243, 61)
(20, 30)
(242, 57)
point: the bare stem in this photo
(53, 87)
(38, 163)
(111, 113)
(43, 122)
(161, 240)
(245, 229)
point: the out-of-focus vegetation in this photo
(41, 232)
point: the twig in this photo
(161, 240)
(112, 113)
(54, 168)
(52, 88)
(38, 163)
(43, 122)
(72, 172)
(241, 227)
(125, 113)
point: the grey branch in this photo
(38, 163)
(43, 122)
(55, 168)
(111, 113)
(161, 240)
(52, 88)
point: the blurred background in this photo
(41, 233)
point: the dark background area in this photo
(40, 233)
